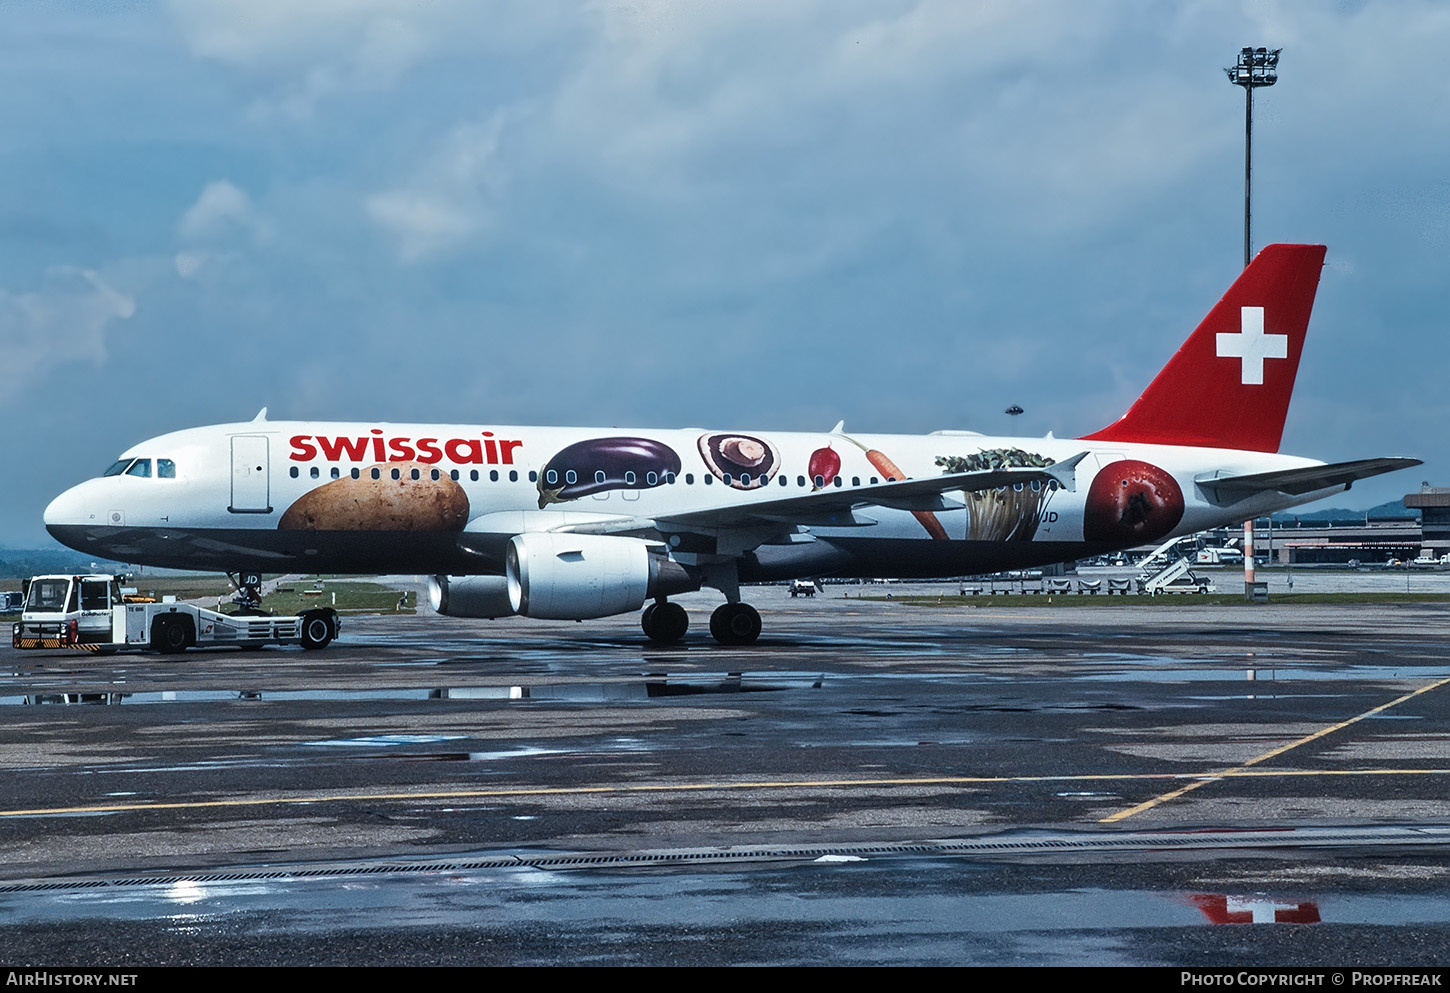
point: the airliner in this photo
(578, 523)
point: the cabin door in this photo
(250, 488)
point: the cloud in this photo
(449, 200)
(221, 214)
(220, 210)
(305, 53)
(68, 319)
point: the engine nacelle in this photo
(470, 596)
(572, 577)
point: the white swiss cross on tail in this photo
(1252, 346)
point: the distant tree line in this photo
(16, 563)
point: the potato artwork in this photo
(1131, 502)
(1008, 513)
(740, 461)
(413, 501)
(600, 464)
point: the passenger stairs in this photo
(1168, 570)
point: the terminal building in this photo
(1418, 531)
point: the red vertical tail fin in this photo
(1229, 385)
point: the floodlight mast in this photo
(1253, 68)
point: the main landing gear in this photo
(731, 624)
(664, 623)
(735, 624)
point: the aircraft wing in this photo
(1307, 479)
(834, 507)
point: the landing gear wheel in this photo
(735, 624)
(317, 630)
(664, 623)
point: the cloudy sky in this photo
(758, 213)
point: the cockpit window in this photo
(165, 469)
(141, 467)
(118, 468)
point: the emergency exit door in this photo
(250, 488)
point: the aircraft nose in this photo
(67, 509)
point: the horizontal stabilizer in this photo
(1296, 482)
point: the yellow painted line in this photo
(1238, 769)
(698, 788)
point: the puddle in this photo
(653, 686)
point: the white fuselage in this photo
(255, 495)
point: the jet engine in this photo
(470, 596)
(577, 576)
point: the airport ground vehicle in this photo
(572, 523)
(802, 587)
(89, 613)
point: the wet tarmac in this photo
(870, 783)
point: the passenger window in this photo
(473, 475)
(165, 469)
(293, 472)
(514, 475)
(336, 472)
(397, 474)
(414, 474)
(628, 477)
(435, 474)
(855, 480)
(650, 478)
(689, 479)
(357, 473)
(493, 475)
(820, 481)
(551, 477)
(377, 473)
(315, 472)
(453, 475)
(141, 467)
(800, 480)
(533, 476)
(571, 477)
(599, 476)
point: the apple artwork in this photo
(1131, 502)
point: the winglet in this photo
(1065, 472)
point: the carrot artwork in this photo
(889, 469)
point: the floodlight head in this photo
(1255, 67)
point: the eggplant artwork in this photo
(600, 464)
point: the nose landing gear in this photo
(249, 594)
